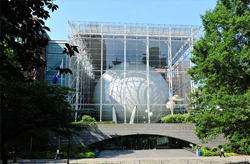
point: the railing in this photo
(190, 149)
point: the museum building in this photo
(127, 73)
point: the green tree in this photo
(26, 107)
(36, 106)
(24, 21)
(222, 70)
(17, 23)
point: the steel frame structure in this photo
(178, 39)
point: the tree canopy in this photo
(29, 107)
(222, 73)
(22, 31)
(23, 21)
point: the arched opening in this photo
(141, 142)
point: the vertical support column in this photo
(69, 76)
(66, 75)
(132, 118)
(68, 65)
(147, 53)
(62, 74)
(80, 87)
(114, 114)
(125, 71)
(179, 76)
(101, 72)
(191, 64)
(77, 79)
(170, 71)
(185, 83)
(80, 70)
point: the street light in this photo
(68, 150)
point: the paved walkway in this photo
(159, 153)
(164, 156)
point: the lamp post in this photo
(68, 150)
(150, 114)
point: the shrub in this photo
(230, 154)
(86, 155)
(9, 155)
(88, 119)
(205, 147)
(227, 148)
(106, 122)
(176, 118)
(39, 155)
(217, 153)
(179, 118)
(75, 151)
(90, 155)
(243, 152)
(214, 149)
(64, 154)
(196, 147)
(85, 149)
(205, 152)
(50, 154)
(26, 155)
(187, 118)
(167, 119)
(81, 155)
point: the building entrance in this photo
(141, 142)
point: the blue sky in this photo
(174, 12)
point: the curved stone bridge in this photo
(180, 131)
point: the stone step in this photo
(190, 149)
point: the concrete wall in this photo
(102, 132)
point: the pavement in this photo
(161, 156)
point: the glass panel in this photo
(54, 59)
(136, 54)
(141, 114)
(119, 113)
(182, 82)
(158, 89)
(114, 53)
(158, 111)
(107, 114)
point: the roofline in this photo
(58, 41)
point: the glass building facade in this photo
(128, 72)
(55, 58)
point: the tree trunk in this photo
(3, 155)
(14, 149)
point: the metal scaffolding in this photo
(103, 46)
